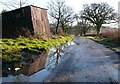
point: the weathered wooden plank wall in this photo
(16, 23)
(0, 26)
(40, 21)
(26, 21)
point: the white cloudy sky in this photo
(75, 4)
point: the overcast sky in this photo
(75, 4)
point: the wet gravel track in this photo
(87, 61)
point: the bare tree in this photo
(60, 12)
(98, 14)
(84, 24)
(77, 18)
(14, 3)
(4, 10)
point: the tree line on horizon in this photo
(92, 15)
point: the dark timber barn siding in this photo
(26, 21)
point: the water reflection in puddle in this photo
(53, 59)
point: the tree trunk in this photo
(57, 26)
(20, 3)
(81, 31)
(84, 31)
(62, 24)
(97, 32)
(98, 29)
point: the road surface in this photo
(87, 61)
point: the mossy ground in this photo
(12, 47)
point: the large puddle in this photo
(40, 68)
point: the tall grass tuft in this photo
(112, 34)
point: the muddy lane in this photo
(87, 61)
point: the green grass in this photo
(11, 48)
(106, 41)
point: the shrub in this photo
(112, 34)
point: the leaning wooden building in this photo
(25, 21)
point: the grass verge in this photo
(109, 43)
(11, 48)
